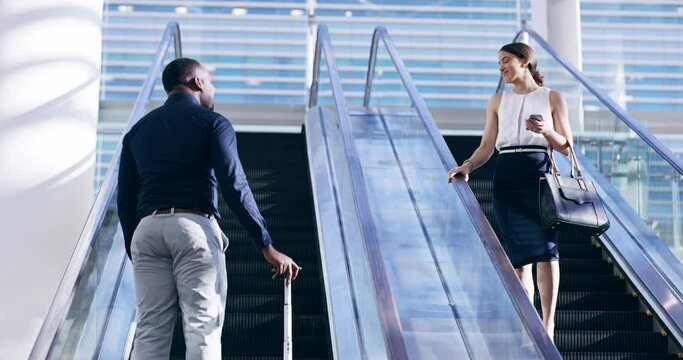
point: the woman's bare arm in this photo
(488, 141)
(560, 137)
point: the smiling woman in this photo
(523, 124)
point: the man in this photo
(167, 203)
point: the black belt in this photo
(175, 210)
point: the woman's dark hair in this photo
(178, 72)
(525, 53)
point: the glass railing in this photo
(92, 314)
(640, 178)
(359, 329)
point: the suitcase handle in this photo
(287, 343)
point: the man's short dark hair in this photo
(178, 72)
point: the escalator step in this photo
(248, 251)
(481, 184)
(263, 346)
(250, 303)
(567, 237)
(266, 285)
(610, 341)
(262, 358)
(616, 356)
(602, 320)
(296, 235)
(579, 251)
(274, 223)
(487, 208)
(483, 195)
(601, 283)
(251, 325)
(270, 210)
(271, 346)
(241, 243)
(581, 300)
(584, 266)
(261, 267)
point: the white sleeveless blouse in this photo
(513, 111)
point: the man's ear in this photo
(197, 83)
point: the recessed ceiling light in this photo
(181, 10)
(348, 14)
(125, 8)
(296, 12)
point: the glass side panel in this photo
(649, 184)
(450, 300)
(81, 335)
(365, 304)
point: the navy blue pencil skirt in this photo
(517, 210)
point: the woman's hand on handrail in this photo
(464, 170)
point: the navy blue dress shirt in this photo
(174, 157)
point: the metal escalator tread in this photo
(596, 318)
(587, 300)
(616, 356)
(609, 341)
(259, 303)
(253, 327)
(585, 266)
(603, 320)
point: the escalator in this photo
(276, 168)
(397, 263)
(93, 313)
(415, 271)
(597, 318)
(620, 294)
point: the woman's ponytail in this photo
(536, 74)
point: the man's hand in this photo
(281, 263)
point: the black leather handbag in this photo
(571, 203)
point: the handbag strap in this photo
(574, 163)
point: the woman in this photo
(523, 124)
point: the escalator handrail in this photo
(617, 110)
(520, 300)
(386, 305)
(64, 295)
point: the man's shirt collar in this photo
(181, 98)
